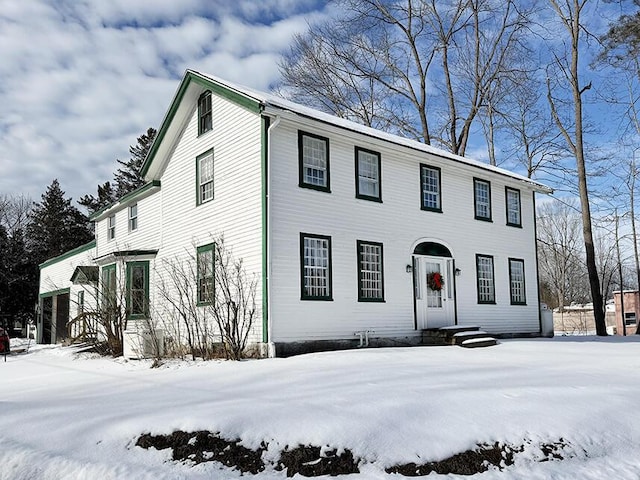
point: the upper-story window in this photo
(204, 170)
(111, 227)
(133, 217)
(482, 199)
(368, 175)
(430, 188)
(313, 153)
(205, 122)
(512, 200)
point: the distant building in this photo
(627, 320)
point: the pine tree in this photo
(127, 179)
(106, 196)
(56, 226)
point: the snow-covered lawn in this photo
(70, 416)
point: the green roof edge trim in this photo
(137, 192)
(190, 76)
(70, 253)
(54, 293)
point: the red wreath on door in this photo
(435, 281)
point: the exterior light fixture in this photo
(409, 269)
(458, 272)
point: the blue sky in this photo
(81, 79)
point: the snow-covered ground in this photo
(65, 415)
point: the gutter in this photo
(272, 127)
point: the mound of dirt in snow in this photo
(314, 461)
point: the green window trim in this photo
(200, 253)
(302, 177)
(363, 296)
(514, 283)
(485, 285)
(320, 277)
(205, 113)
(199, 184)
(423, 204)
(378, 180)
(132, 289)
(479, 202)
(108, 289)
(515, 191)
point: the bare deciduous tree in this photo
(209, 309)
(567, 76)
(560, 258)
(424, 68)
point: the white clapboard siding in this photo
(148, 235)
(236, 209)
(56, 275)
(399, 224)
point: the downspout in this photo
(271, 345)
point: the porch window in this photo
(137, 290)
(204, 173)
(109, 292)
(485, 279)
(133, 217)
(512, 199)
(482, 199)
(313, 153)
(315, 263)
(205, 261)
(368, 175)
(111, 227)
(430, 188)
(370, 272)
(516, 282)
(204, 113)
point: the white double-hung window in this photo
(313, 152)
(485, 279)
(482, 199)
(315, 267)
(512, 196)
(368, 175)
(204, 167)
(430, 188)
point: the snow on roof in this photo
(268, 99)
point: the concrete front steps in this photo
(467, 337)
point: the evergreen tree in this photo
(22, 278)
(106, 196)
(126, 179)
(56, 226)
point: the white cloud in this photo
(81, 79)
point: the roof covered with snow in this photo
(274, 101)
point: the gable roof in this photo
(85, 274)
(258, 102)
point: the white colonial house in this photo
(348, 229)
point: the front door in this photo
(434, 292)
